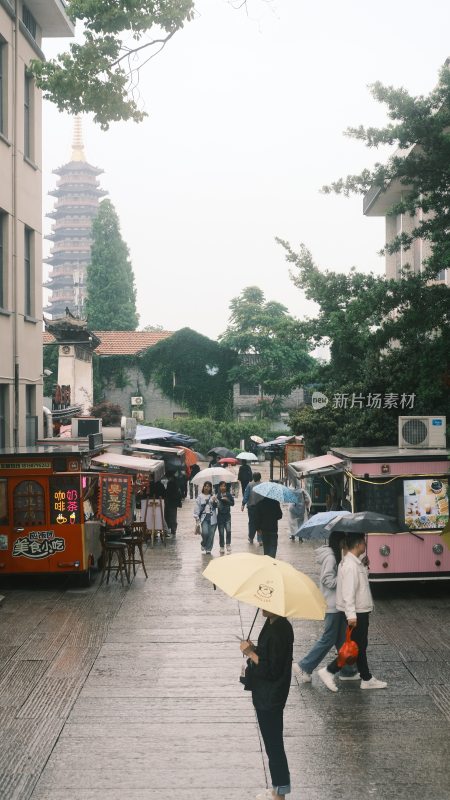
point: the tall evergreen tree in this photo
(111, 295)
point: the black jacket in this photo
(266, 515)
(173, 494)
(271, 677)
(224, 507)
(245, 474)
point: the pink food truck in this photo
(411, 485)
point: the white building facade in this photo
(22, 28)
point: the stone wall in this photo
(155, 405)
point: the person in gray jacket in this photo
(354, 600)
(333, 635)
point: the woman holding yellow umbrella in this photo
(280, 591)
(268, 673)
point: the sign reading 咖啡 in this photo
(65, 500)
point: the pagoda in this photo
(77, 196)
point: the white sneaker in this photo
(228, 548)
(355, 677)
(327, 678)
(208, 552)
(202, 550)
(222, 550)
(373, 683)
(300, 674)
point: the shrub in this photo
(109, 413)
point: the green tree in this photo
(386, 337)
(99, 74)
(111, 296)
(420, 128)
(193, 370)
(271, 348)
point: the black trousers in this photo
(360, 635)
(271, 727)
(270, 543)
(170, 515)
(251, 522)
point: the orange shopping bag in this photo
(348, 653)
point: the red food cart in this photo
(42, 514)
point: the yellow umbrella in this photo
(267, 583)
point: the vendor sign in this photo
(114, 500)
(65, 500)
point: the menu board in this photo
(114, 499)
(426, 503)
(65, 500)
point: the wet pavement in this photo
(132, 693)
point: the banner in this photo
(114, 499)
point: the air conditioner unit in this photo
(137, 401)
(137, 414)
(421, 432)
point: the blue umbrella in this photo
(314, 528)
(275, 491)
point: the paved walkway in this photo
(133, 694)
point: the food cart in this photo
(321, 477)
(412, 486)
(43, 528)
(134, 470)
(281, 452)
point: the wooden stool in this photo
(110, 548)
(134, 540)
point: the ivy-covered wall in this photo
(131, 383)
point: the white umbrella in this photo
(247, 457)
(215, 475)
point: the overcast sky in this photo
(246, 114)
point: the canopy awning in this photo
(156, 448)
(130, 464)
(147, 433)
(317, 466)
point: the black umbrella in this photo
(223, 452)
(364, 522)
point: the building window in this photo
(29, 504)
(29, 21)
(249, 390)
(28, 137)
(3, 223)
(3, 396)
(28, 271)
(3, 501)
(30, 418)
(3, 86)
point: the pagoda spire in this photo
(77, 141)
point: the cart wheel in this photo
(84, 578)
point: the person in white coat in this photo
(329, 557)
(354, 599)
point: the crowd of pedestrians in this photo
(343, 582)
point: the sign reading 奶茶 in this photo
(114, 501)
(65, 500)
